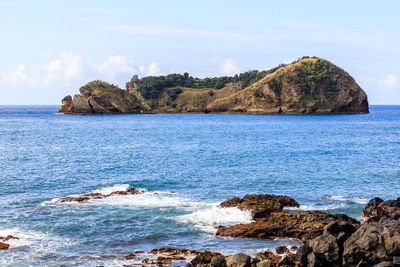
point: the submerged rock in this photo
(300, 225)
(4, 246)
(260, 205)
(89, 196)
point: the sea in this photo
(186, 164)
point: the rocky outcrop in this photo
(89, 196)
(308, 85)
(300, 225)
(260, 205)
(99, 97)
(377, 241)
(326, 249)
(378, 207)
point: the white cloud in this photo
(153, 69)
(229, 67)
(113, 67)
(390, 81)
(69, 69)
(17, 77)
(64, 69)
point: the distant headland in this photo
(307, 85)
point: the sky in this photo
(49, 49)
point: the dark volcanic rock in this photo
(300, 225)
(260, 205)
(377, 241)
(326, 249)
(378, 207)
(205, 257)
(282, 250)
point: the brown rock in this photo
(260, 205)
(268, 256)
(204, 257)
(300, 225)
(148, 261)
(88, 196)
(174, 251)
(282, 250)
(239, 260)
(6, 238)
(4, 246)
(294, 248)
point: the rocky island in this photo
(307, 85)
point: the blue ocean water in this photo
(187, 163)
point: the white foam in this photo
(148, 199)
(208, 218)
(110, 189)
(339, 197)
(358, 200)
(38, 240)
(145, 199)
(316, 207)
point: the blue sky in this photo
(51, 48)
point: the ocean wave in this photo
(358, 200)
(210, 217)
(144, 199)
(317, 207)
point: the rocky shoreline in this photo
(327, 239)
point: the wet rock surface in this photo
(3, 239)
(260, 205)
(299, 225)
(89, 196)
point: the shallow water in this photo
(187, 163)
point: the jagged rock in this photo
(282, 250)
(377, 241)
(174, 251)
(268, 256)
(260, 205)
(287, 260)
(326, 249)
(218, 261)
(238, 260)
(378, 207)
(204, 258)
(300, 225)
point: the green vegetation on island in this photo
(307, 85)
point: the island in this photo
(307, 85)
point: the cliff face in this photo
(308, 85)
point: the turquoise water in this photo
(187, 163)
